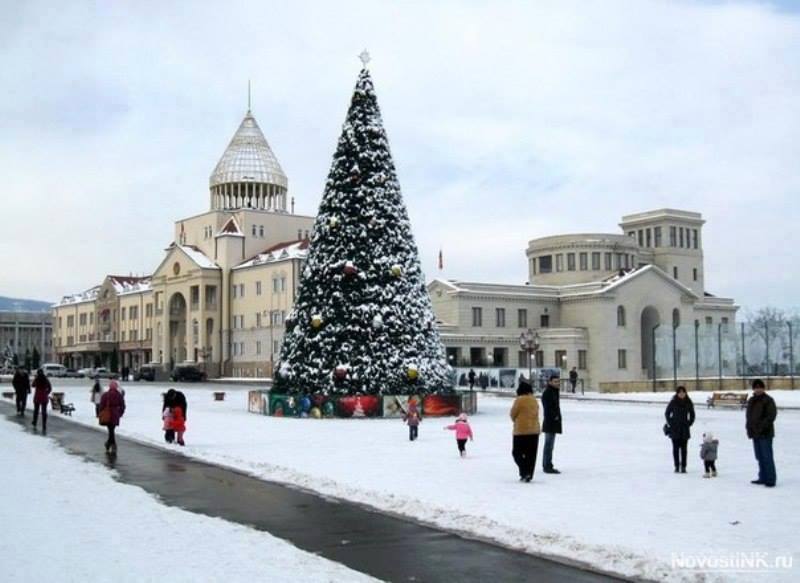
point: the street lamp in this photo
(529, 342)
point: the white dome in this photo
(248, 158)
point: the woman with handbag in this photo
(41, 395)
(112, 408)
(680, 417)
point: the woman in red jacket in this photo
(178, 423)
(40, 397)
(112, 408)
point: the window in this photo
(694, 273)
(258, 288)
(673, 236)
(582, 360)
(596, 260)
(546, 264)
(695, 243)
(725, 324)
(709, 321)
(134, 312)
(632, 234)
(675, 271)
(234, 290)
(258, 346)
(148, 310)
(641, 238)
(539, 359)
(560, 262)
(241, 290)
(477, 317)
(122, 336)
(522, 318)
(254, 230)
(570, 262)
(622, 358)
(649, 238)
(609, 267)
(258, 319)
(544, 321)
(680, 236)
(522, 358)
(283, 283)
(261, 231)
(620, 315)
(275, 285)
(123, 314)
(211, 296)
(657, 236)
(560, 358)
(500, 317)
(584, 261)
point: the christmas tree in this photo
(363, 321)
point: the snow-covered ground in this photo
(617, 505)
(67, 520)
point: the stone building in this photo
(23, 330)
(219, 296)
(595, 300)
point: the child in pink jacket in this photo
(463, 431)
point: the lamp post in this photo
(529, 342)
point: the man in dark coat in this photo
(22, 388)
(471, 377)
(573, 378)
(761, 414)
(552, 420)
(680, 417)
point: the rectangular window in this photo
(596, 260)
(560, 262)
(582, 360)
(522, 318)
(234, 290)
(725, 324)
(194, 295)
(584, 261)
(500, 317)
(694, 273)
(276, 346)
(148, 310)
(570, 262)
(539, 358)
(258, 319)
(123, 314)
(609, 267)
(673, 236)
(258, 346)
(680, 236)
(211, 296)
(134, 312)
(622, 358)
(657, 236)
(522, 359)
(709, 321)
(477, 317)
(560, 359)
(241, 290)
(122, 336)
(275, 285)
(696, 243)
(544, 321)
(675, 271)
(258, 288)
(649, 237)
(632, 234)
(546, 264)
(641, 238)
(283, 283)
(70, 321)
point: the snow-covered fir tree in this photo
(363, 321)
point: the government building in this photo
(220, 295)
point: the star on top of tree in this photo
(364, 56)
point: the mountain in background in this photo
(18, 305)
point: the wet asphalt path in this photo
(386, 547)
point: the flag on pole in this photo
(441, 260)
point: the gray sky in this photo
(508, 121)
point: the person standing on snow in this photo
(708, 453)
(463, 432)
(525, 415)
(551, 403)
(95, 395)
(41, 395)
(412, 419)
(573, 378)
(112, 408)
(22, 388)
(680, 417)
(471, 378)
(760, 425)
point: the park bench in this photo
(57, 403)
(727, 400)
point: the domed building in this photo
(219, 297)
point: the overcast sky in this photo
(508, 121)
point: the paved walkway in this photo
(380, 545)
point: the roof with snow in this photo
(84, 296)
(248, 158)
(125, 284)
(231, 227)
(200, 258)
(278, 252)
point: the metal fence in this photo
(730, 354)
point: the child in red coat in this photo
(178, 423)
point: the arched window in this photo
(676, 317)
(620, 315)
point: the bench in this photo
(727, 400)
(57, 403)
(219, 395)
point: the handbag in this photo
(667, 430)
(104, 417)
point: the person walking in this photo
(22, 388)
(573, 378)
(680, 417)
(525, 415)
(95, 395)
(471, 378)
(760, 425)
(166, 415)
(178, 423)
(412, 419)
(551, 403)
(41, 395)
(112, 408)
(708, 453)
(463, 432)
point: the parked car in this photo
(85, 372)
(188, 372)
(72, 373)
(103, 373)
(54, 370)
(146, 372)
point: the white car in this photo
(51, 369)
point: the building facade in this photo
(221, 293)
(22, 331)
(595, 301)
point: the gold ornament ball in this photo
(316, 413)
(413, 374)
(316, 321)
(397, 271)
